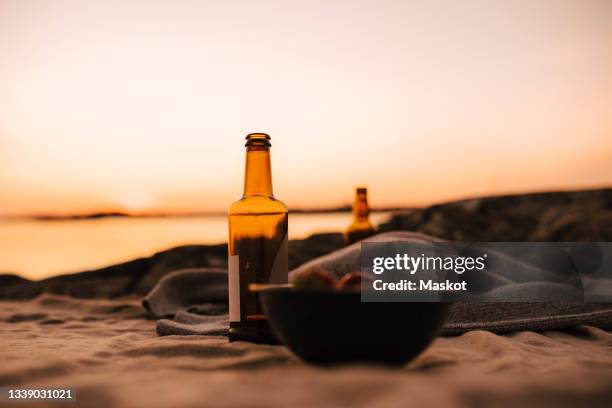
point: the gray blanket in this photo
(190, 301)
(194, 301)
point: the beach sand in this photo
(107, 350)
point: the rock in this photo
(557, 216)
(303, 250)
(16, 287)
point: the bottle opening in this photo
(258, 139)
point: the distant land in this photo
(339, 209)
(120, 214)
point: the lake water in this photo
(39, 249)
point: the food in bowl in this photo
(318, 279)
(352, 281)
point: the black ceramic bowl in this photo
(329, 326)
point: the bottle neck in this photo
(361, 211)
(258, 172)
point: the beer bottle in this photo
(257, 244)
(360, 228)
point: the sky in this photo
(143, 106)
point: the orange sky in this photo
(143, 105)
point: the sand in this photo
(109, 352)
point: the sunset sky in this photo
(144, 105)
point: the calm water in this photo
(36, 249)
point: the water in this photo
(39, 249)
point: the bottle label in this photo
(233, 272)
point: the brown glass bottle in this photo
(258, 226)
(360, 228)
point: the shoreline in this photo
(554, 217)
(121, 215)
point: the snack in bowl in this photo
(318, 279)
(353, 281)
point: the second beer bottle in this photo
(258, 252)
(360, 228)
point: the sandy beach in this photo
(108, 351)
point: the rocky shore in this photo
(138, 276)
(556, 216)
(553, 216)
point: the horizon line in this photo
(94, 214)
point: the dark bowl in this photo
(329, 327)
